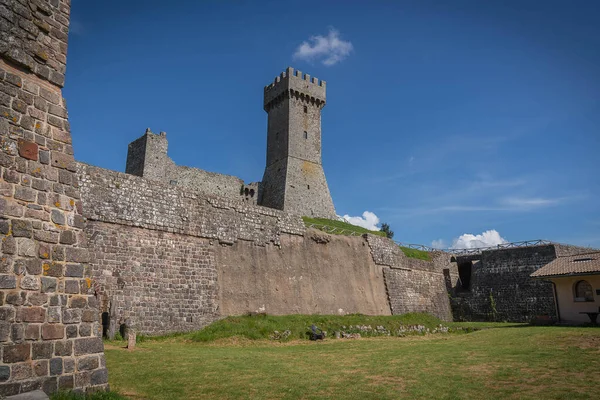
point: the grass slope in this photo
(338, 224)
(414, 253)
(262, 326)
(348, 228)
(500, 363)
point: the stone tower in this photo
(50, 335)
(294, 179)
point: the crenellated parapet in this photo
(294, 84)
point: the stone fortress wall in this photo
(49, 329)
(169, 259)
(496, 285)
(147, 157)
(165, 248)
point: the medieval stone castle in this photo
(166, 248)
(294, 180)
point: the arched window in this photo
(305, 135)
(305, 109)
(583, 291)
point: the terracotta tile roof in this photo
(588, 263)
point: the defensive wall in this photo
(49, 329)
(147, 157)
(495, 285)
(169, 259)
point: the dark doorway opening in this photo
(105, 324)
(465, 270)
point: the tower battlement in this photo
(294, 179)
(294, 82)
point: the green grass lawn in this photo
(506, 361)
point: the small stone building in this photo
(576, 282)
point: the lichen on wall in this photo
(49, 328)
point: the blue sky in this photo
(442, 118)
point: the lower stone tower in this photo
(294, 179)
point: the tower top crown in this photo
(296, 81)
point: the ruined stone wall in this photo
(414, 285)
(501, 288)
(147, 157)
(124, 199)
(49, 332)
(171, 260)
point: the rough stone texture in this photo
(125, 199)
(37, 181)
(157, 252)
(501, 289)
(168, 284)
(414, 285)
(294, 179)
(304, 275)
(33, 35)
(147, 157)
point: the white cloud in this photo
(530, 202)
(368, 220)
(470, 241)
(439, 244)
(328, 49)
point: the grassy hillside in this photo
(344, 228)
(414, 253)
(348, 228)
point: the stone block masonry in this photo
(49, 331)
(294, 179)
(414, 285)
(496, 285)
(147, 157)
(168, 283)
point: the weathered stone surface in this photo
(53, 331)
(88, 346)
(32, 314)
(28, 150)
(63, 348)
(58, 217)
(87, 363)
(40, 368)
(30, 283)
(74, 270)
(16, 353)
(56, 366)
(71, 316)
(8, 282)
(21, 228)
(48, 284)
(37, 176)
(32, 332)
(99, 377)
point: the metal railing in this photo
(459, 252)
(511, 245)
(335, 230)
